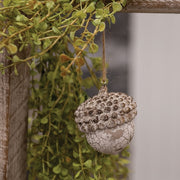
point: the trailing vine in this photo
(61, 37)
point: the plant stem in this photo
(29, 27)
(81, 50)
(81, 160)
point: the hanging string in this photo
(104, 78)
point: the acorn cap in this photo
(105, 111)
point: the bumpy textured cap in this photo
(106, 119)
(105, 111)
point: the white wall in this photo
(155, 83)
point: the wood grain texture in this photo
(153, 6)
(18, 111)
(4, 120)
(13, 121)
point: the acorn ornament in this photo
(107, 118)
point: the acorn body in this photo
(106, 119)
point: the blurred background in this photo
(143, 53)
(154, 73)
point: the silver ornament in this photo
(107, 121)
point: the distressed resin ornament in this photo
(107, 120)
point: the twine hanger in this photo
(104, 77)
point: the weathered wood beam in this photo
(152, 6)
(13, 121)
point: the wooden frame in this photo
(14, 98)
(13, 121)
(152, 6)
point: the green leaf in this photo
(63, 0)
(76, 164)
(111, 178)
(16, 59)
(79, 42)
(70, 128)
(46, 43)
(81, 98)
(3, 34)
(99, 13)
(36, 39)
(78, 139)
(50, 4)
(33, 65)
(124, 161)
(87, 83)
(91, 7)
(43, 26)
(78, 173)
(49, 165)
(50, 76)
(88, 163)
(2, 71)
(80, 14)
(97, 63)
(68, 79)
(2, 18)
(55, 30)
(93, 48)
(100, 5)
(42, 176)
(113, 19)
(50, 149)
(38, 42)
(96, 22)
(21, 18)
(28, 11)
(37, 137)
(6, 2)
(106, 12)
(44, 120)
(95, 176)
(36, 22)
(57, 169)
(123, 2)
(12, 48)
(116, 6)
(20, 37)
(64, 172)
(91, 178)
(98, 167)
(12, 29)
(15, 71)
(102, 26)
(72, 34)
(21, 24)
(75, 155)
(67, 7)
